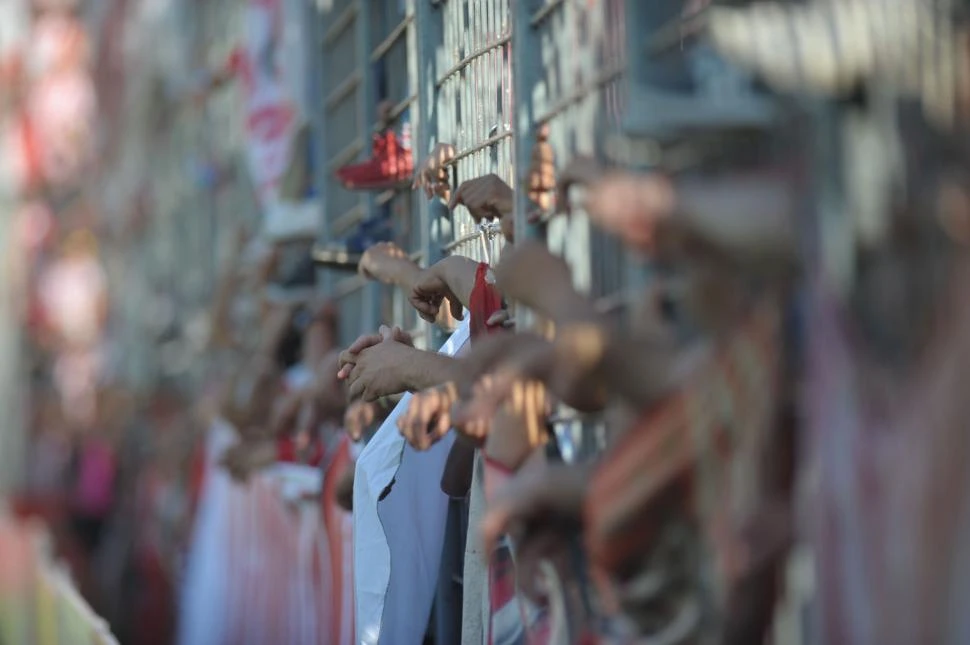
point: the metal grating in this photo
(446, 69)
(389, 57)
(340, 103)
(472, 93)
(686, 86)
(573, 63)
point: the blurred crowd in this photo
(779, 387)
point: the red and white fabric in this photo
(340, 535)
(258, 569)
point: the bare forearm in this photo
(427, 369)
(640, 372)
(459, 274)
(563, 305)
(401, 273)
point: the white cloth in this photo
(398, 542)
(258, 571)
(201, 620)
(476, 608)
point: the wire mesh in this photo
(390, 51)
(579, 92)
(473, 96)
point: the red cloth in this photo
(339, 527)
(238, 64)
(484, 301)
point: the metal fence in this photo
(446, 68)
(597, 78)
(570, 63)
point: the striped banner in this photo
(260, 563)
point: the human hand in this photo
(276, 321)
(250, 397)
(386, 262)
(431, 175)
(581, 171)
(430, 289)
(532, 276)
(487, 353)
(506, 416)
(359, 416)
(631, 205)
(541, 180)
(570, 367)
(627, 204)
(285, 413)
(486, 197)
(380, 368)
(428, 416)
(348, 357)
(384, 110)
(248, 457)
(325, 389)
(518, 429)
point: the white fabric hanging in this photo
(258, 570)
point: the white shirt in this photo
(398, 541)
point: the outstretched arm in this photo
(452, 279)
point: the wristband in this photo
(494, 475)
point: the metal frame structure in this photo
(341, 104)
(613, 79)
(447, 68)
(576, 92)
(485, 76)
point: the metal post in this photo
(15, 21)
(317, 67)
(12, 433)
(425, 34)
(368, 115)
(525, 61)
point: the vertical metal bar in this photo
(489, 84)
(417, 36)
(12, 434)
(475, 82)
(430, 31)
(367, 114)
(460, 80)
(525, 53)
(509, 98)
(317, 57)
